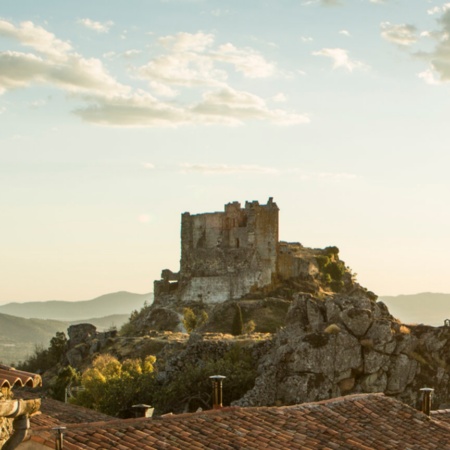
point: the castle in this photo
(224, 255)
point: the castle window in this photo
(237, 242)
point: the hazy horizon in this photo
(118, 117)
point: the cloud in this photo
(400, 34)
(253, 169)
(434, 10)
(225, 169)
(279, 98)
(191, 61)
(330, 2)
(247, 61)
(438, 71)
(75, 75)
(99, 27)
(340, 59)
(183, 69)
(187, 42)
(230, 106)
(137, 110)
(345, 33)
(148, 165)
(191, 64)
(37, 38)
(429, 77)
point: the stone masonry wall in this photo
(225, 254)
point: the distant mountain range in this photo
(427, 308)
(110, 304)
(23, 326)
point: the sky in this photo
(116, 117)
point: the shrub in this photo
(249, 327)
(333, 250)
(192, 321)
(191, 387)
(238, 321)
(113, 387)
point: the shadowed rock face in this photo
(350, 344)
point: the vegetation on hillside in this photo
(45, 358)
(113, 387)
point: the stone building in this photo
(224, 254)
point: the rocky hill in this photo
(297, 315)
(308, 342)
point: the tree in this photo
(191, 388)
(192, 321)
(113, 387)
(46, 358)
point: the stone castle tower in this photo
(224, 254)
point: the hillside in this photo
(427, 308)
(19, 337)
(105, 305)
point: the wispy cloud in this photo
(233, 107)
(226, 169)
(341, 59)
(99, 27)
(438, 70)
(248, 169)
(400, 34)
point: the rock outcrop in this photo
(350, 344)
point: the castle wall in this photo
(225, 254)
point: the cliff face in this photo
(350, 344)
(329, 346)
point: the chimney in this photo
(142, 410)
(217, 390)
(59, 441)
(426, 400)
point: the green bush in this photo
(322, 261)
(192, 321)
(333, 250)
(67, 376)
(113, 387)
(191, 388)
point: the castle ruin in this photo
(224, 255)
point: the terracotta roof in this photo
(55, 413)
(442, 415)
(10, 377)
(364, 421)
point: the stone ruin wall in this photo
(224, 254)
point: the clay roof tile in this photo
(10, 377)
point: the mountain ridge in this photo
(429, 308)
(121, 302)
